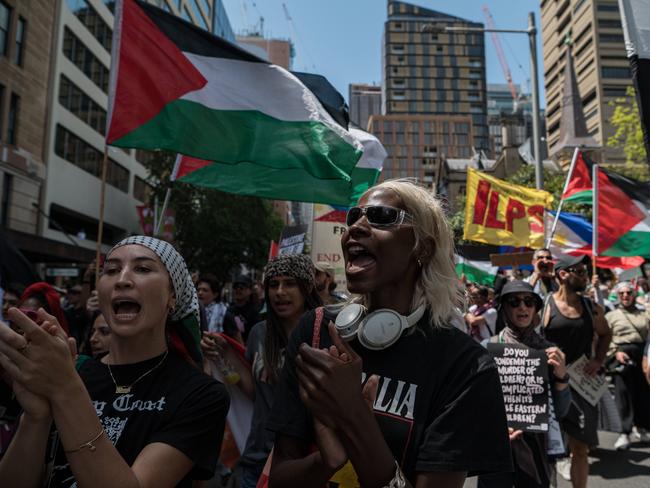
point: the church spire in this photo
(573, 127)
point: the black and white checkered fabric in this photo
(298, 266)
(186, 299)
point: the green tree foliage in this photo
(627, 123)
(215, 231)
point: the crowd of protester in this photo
(376, 388)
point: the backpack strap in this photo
(315, 338)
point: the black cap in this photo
(517, 286)
(568, 261)
(243, 280)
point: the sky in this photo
(341, 39)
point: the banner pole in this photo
(559, 207)
(158, 223)
(594, 224)
(100, 223)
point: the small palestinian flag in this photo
(174, 86)
(580, 188)
(623, 215)
(481, 272)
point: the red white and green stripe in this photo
(623, 215)
(482, 272)
(292, 184)
(176, 87)
(579, 189)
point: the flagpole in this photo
(100, 224)
(594, 223)
(559, 207)
(168, 193)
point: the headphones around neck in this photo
(377, 330)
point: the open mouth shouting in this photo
(359, 258)
(125, 309)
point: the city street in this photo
(617, 469)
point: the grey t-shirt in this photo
(260, 440)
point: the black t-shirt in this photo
(175, 404)
(439, 402)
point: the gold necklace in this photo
(123, 389)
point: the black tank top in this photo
(573, 336)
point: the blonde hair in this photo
(437, 286)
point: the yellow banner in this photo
(498, 212)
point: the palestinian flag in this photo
(174, 86)
(579, 189)
(623, 215)
(290, 183)
(635, 17)
(573, 237)
(481, 272)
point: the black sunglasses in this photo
(378, 215)
(578, 271)
(514, 302)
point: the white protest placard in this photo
(591, 388)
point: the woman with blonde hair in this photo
(436, 411)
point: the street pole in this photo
(532, 39)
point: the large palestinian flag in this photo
(174, 86)
(290, 183)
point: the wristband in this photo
(564, 380)
(88, 444)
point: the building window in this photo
(12, 121)
(616, 72)
(141, 189)
(85, 60)
(92, 21)
(78, 152)
(81, 105)
(614, 38)
(5, 23)
(614, 91)
(609, 23)
(7, 185)
(607, 7)
(20, 41)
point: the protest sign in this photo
(591, 388)
(292, 240)
(327, 228)
(524, 382)
(498, 212)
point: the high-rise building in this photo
(364, 101)
(593, 27)
(81, 58)
(26, 33)
(509, 120)
(417, 145)
(428, 71)
(276, 51)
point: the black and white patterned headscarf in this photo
(298, 266)
(186, 311)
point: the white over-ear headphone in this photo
(379, 330)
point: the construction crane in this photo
(501, 55)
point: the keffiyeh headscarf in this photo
(298, 266)
(186, 312)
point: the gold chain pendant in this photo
(121, 390)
